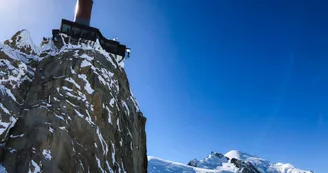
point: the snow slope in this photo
(156, 165)
(232, 162)
(264, 166)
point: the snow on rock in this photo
(47, 154)
(4, 109)
(87, 57)
(35, 167)
(118, 125)
(87, 86)
(108, 167)
(112, 101)
(78, 113)
(71, 80)
(23, 42)
(85, 63)
(113, 153)
(6, 126)
(2, 169)
(16, 136)
(72, 93)
(51, 130)
(102, 142)
(109, 115)
(6, 91)
(99, 164)
(126, 108)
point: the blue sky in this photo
(215, 74)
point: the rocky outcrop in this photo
(67, 107)
(245, 167)
(217, 160)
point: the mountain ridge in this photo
(233, 161)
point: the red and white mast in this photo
(83, 12)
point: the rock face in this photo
(67, 108)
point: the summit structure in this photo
(81, 29)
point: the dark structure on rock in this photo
(80, 29)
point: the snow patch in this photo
(99, 165)
(118, 124)
(113, 153)
(112, 101)
(109, 115)
(85, 63)
(87, 57)
(4, 109)
(47, 154)
(6, 126)
(87, 86)
(78, 113)
(7, 91)
(51, 130)
(102, 142)
(126, 108)
(109, 168)
(36, 167)
(71, 80)
(59, 117)
(17, 136)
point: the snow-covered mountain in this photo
(66, 106)
(232, 162)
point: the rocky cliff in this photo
(67, 107)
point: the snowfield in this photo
(218, 163)
(164, 166)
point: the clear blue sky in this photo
(215, 74)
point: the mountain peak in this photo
(216, 154)
(23, 42)
(239, 155)
(234, 161)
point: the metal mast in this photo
(83, 12)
